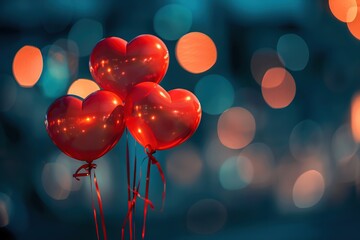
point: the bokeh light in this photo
(72, 55)
(27, 66)
(308, 189)
(172, 21)
(262, 60)
(184, 165)
(294, 51)
(83, 88)
(344, 10)
(86, 33)
(354, 26)
(306, 140)
(56, 180)
(196, 52)
(8, 93)
(261, 158)
(278, 88)
(55, 79)
(5, 209)
(70, 165)
(236, 128)
(207, 216)
(343, 145)
(215, 93)
(236, 173)
(355, 117)
(216, 153)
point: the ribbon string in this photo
(133, 191)
(83, 171)
(130, 217)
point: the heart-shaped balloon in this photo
(158, 119)
(86, 130)
(117, 66)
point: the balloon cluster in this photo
(129, 75)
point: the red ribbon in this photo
(135, 191)
(152, 161)
(83, 171)
(128, 186)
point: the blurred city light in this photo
(294, 51)
(184, 165)
(86, 33)
(196, 52)
(278, 88)
(220, 90)
(83, 88)
(236, 173)
(308, 189)
(344, 10)
(28, 66)
(236, 128)
(172, 21)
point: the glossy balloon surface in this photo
(86, 130)
(117, 66)
(158, 119)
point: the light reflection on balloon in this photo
(160, 120)
(28, 66)
(86, 130)
(117, 65)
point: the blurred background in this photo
(275, 156)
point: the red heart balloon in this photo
(158, 119)
(117, 66)
(86, 130)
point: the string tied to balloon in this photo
(84, 171)
(152, 161)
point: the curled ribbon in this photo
(83, 171)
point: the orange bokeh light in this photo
(28, 66)
(354, 26)
(196, 52)
(83, 88)
(236, 128)
(278, 87)
(343, 10)
(308, 189)
(355, 117)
